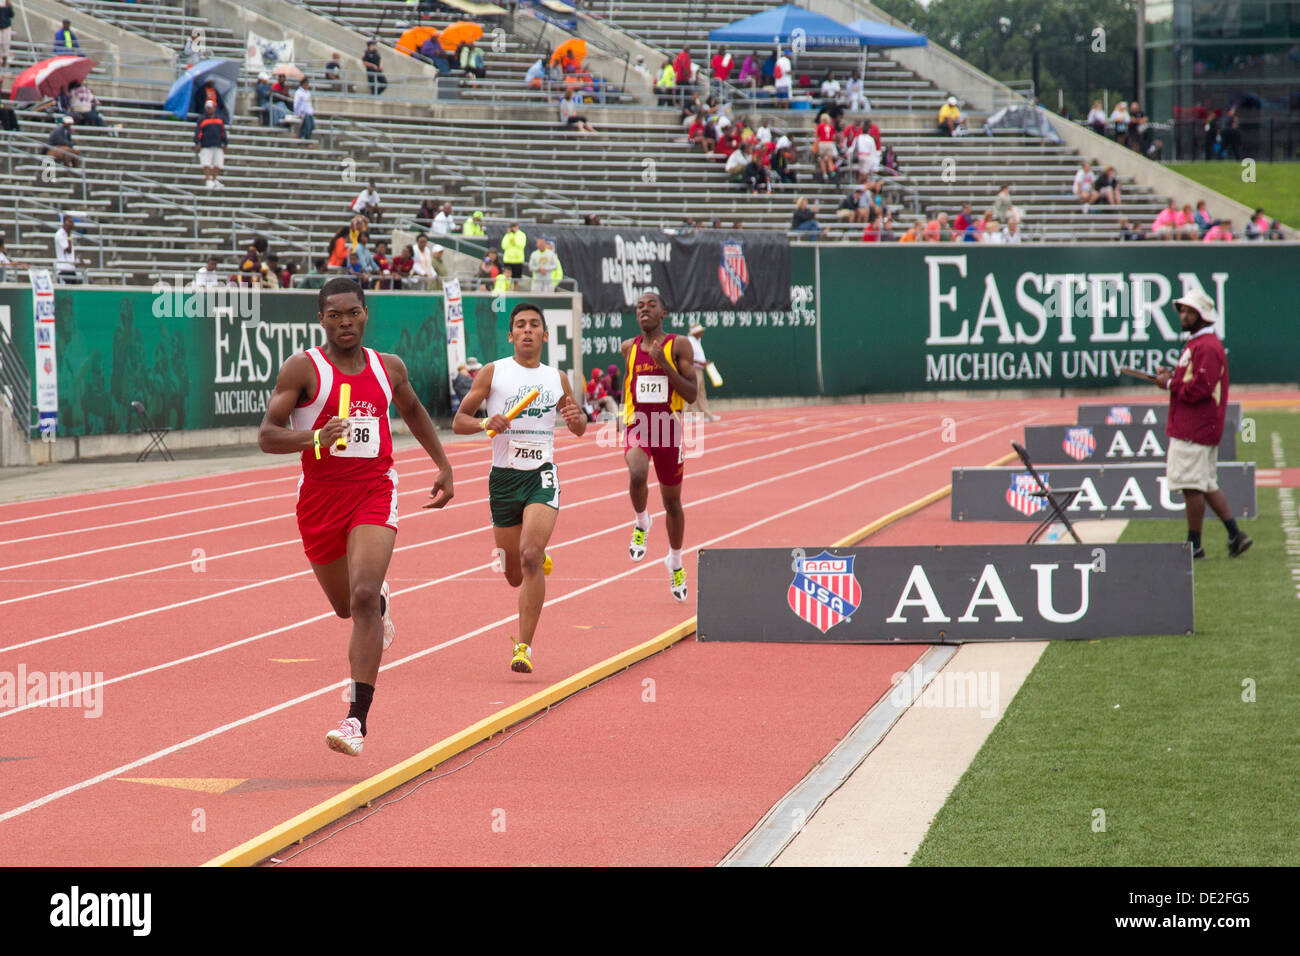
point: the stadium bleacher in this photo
(494, 145)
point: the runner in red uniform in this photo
(660, 382)
(347, 497)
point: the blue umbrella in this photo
(787, 23)
(223, 73)
(884, 35)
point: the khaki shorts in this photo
(826, 148)
(1192, 467)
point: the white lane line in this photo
(475, 530)
(235, 504)
(156, 755)
(463, 503)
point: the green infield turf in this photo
(1276, 188)
(1155, 731)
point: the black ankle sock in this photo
(1231, 525)
(362, 695)
(1195, 538)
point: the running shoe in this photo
(346, 737)
(522, 662)
(1199, 553)
(637, 548)
(389, 630)
(1240, 544)
(677, 582)
(547, 565)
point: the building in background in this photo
(1203, 56)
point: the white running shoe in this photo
(218, 184)
(637, 548)
(389, 630)
(676, 581)
(346, 737)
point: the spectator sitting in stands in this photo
(208, 94)
(804, 218)
(193, 51)
(855, 97)
(338, 250)
(1203, 219)
(784, 162)
(831, 91)
(444, 224)
(964, 219)
(888, 229)
(1185, 223)
(424, 215)
(1119, 119)
(488, 269)
(914, 232)
(474, 225)
(402, 266)
(536, 75)
(698, 134)
(847, 210)
(871, 232)
(690, 108)
(471, 61)
(65, 41)
(281, 103)
(992, 232)
(428, 267)
(950, 117)
(1011, 233)
(273, 111)
(1257, 225)
(354, 271)
(598, 398)
(367, 203)
(250, 267)
(936, 230)
(972, 231)
(1107, 186)
(82, 104)
(1083, 187)
(334, 74)
(1166, 222)
(271, 272)
(591, 219)
(60, 147)
(728, 140)
(383, 266)
(755, 174)
(570, 116)
(1221, 231)
(1128, 232)
(737, 160)
(209, 275)
(1096, 118)
(365, 257)
(460, 386)
(374, 69)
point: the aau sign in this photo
(940, 595)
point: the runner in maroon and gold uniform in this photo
(660, 382)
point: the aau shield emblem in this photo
(1119, 415)
(1079, 443)
(733, 274)
(824, 591)
(1021, 494)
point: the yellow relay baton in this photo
(345, 405)
(514, 412)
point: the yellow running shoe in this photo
(677, 582)
(547, 565)
(636, 550)
(522, 662)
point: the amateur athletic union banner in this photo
(708, 269)
(944, 595)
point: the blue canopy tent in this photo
(787, 24)
(883, 35)
(224, 75)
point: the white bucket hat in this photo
(1201, 302)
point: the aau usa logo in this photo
(733, 273)
(1079, 443)
(1021, 494)
(824, 591)
(1119, 415)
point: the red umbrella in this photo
(51, 77)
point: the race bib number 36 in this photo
(652, 388)
(364, 440)
(527, 455)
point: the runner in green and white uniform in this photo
(524, 485)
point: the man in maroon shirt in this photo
(1198, 405)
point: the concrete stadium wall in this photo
(113, 47)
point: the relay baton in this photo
(514, 412)
(345, 405)
(714, 375)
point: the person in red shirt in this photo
(347, 496)
(721, 65)
(825, 147)
(682, 70)
(1198, 405)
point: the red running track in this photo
(221, 665)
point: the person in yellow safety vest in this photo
(501, 284)
(666, 83)
(474, 225)
(513, 244)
